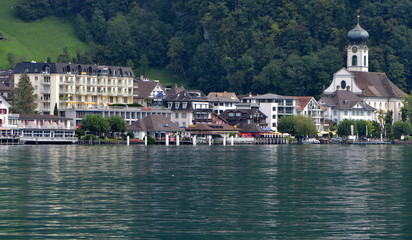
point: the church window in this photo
(364, 61)
(354, 60)
(343, 84)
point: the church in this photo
(373, 89)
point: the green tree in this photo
(178, 55)
(143, 64)
(95, 124)
(11, 58)
(407, 109)
(30, 10)
(362, 125)
(65, 56)
(299, 126)
(305, 127)
(344, 128)
(55, 110)
(401, 128)
(117, 124)
(24, 100)
(287, 124)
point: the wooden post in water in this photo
(177, 140)
(194, 140)
(209, 138)
(128, 140)
(145, 140)
(224, 141)
(167, 140)
(231, 140)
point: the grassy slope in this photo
(165, 76)
(35, 40)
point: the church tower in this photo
(357, 51)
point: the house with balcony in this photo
(242, 117)
(149, 93)
(189, 107)
(69, 85)
(222, 101)
(308, 106)
(274, 106)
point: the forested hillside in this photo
(281, 46)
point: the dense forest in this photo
(280, 46)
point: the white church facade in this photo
(374, 88)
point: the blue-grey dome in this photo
(358, 35)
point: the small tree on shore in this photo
(95, 124)
(24, 100)
(117, 124)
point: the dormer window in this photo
(177, 105)
(184, 105)
(170, 105)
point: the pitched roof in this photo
(34, 67)
(145, 88)
(219, 98)
(228, 95)
(268, 96)
(303, 101)
(251, 128)
(376, 84)
(212, 127)
(155, 123)
(344, 100)
(187, 95)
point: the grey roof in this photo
(344, 100)
(376, 84)
(218, 98)
(145, 88)
(268, 96)
(90, 69)
(187, 95)
(245, 113)
(40, 117)
(155, 123)
(251, 128)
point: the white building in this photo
(273, 106)
(222, 101)
(308, 106)
(372, 87)
(344, 104)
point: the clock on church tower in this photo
(357, 53)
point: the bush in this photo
(401, 128)
(90, 136)
(150, 140)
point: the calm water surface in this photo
(206, 192)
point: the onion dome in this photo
(358, 35)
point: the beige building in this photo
(68, 85)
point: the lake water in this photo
(206, 192)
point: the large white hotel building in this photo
(69, 85)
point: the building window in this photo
(343, 84)
(184, 105)
(346, 113)
(184, 115)
(170, 105)
(335, 113)
(176, 115)
(354, 60)
(273, 124)
(364, 61)
(177, 105)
